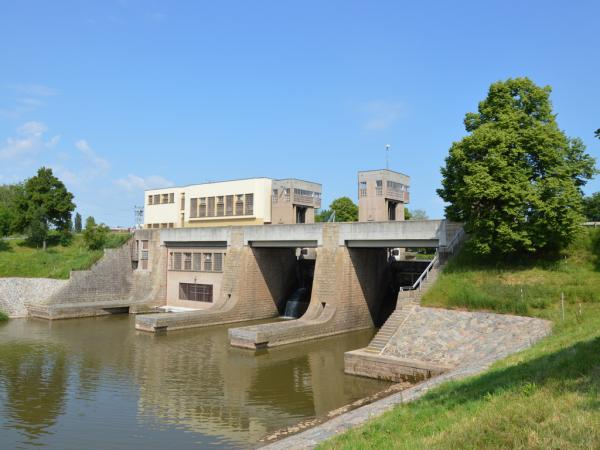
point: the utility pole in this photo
(138, 213)
(387, 156)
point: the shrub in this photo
(95, 236)
(3, 317)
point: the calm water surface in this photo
(99, 383)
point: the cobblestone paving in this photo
(451, 338)
(469, 341)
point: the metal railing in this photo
(417, 285)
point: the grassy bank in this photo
(545, 397)
(17, 259)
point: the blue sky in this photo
(118, 96)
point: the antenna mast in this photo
(387, 156)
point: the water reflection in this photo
(64, 382)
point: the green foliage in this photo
(78, 227)
(95, 236)
(90, 222)
(597, 133)
(44, 203)
(418, 214)
(323, 215)
(19, 259)
(407, 214)
(591, 207)
(515, 179)
(9, 195)
(3, 317)
(345, 210)
(37, 227)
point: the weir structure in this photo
(348, 291)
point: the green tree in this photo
(418, 214)
(345, 210)
(37, 227)
(407, 214)
(323, 215)
(45, 200)
(515, 180)
(90, 222)
(95, 236)
(9, 211)
(78, 226)
(591, 207)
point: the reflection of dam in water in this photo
(66, 383)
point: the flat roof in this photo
(229, 181)
(384, 170)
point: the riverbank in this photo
(543, 397)
(18, 259)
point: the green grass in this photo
(17, 259)
(545, 397)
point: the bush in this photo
(3, 317)
(95, 236)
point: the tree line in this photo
(41, 208)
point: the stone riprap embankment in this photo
(17, 293)
(462, 343)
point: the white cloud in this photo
(35, 90)
(29, 141)
(100, 163)
(137, 183)
(381, 115)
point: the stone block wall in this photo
(17, 293)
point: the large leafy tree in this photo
(345, 210)
(9, 194)
(46, 203)
(515, 180)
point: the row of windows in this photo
(141, 250)
(196, 292)
(391, 186)
(222, 205)
(160, 225)
(196, 261)
(159, 199)
(285, 194)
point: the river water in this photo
(97, 383)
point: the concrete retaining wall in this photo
(17, 293)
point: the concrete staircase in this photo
(406, 303)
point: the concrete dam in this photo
(218, 275)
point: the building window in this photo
(150, 200)
(193, 208)
(171, 225)
(286, 194)
(239, 205)
(207, 262)
(171, 197)
(157, 199)
(202, 212)
(164, 198)
(229, 205)
(196, 292)
(211, 206)
(220, 207)
(176, 261)
(218, 262)
(378, 187)
(163, 225)
(362, 189)
(187, 261)
(274, 196)
(182, 204)
(197, 262)
(249, 204)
